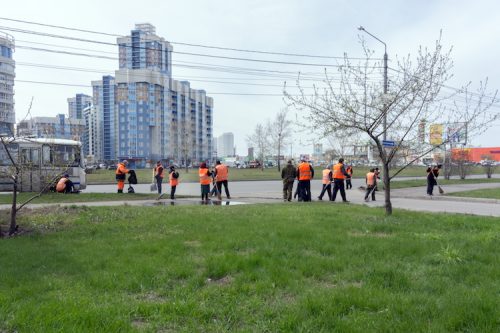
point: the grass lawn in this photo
(144, 176)
(395, 184)
(490, 193)
(256, 268)
(80, 197)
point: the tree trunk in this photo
(387, 190)
(279, 152)
(13, 210)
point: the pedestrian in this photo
(214, 190)
(348, 184)
(158, 175)
(432, 174)
(327, 183)
(65, 185)
(371, 182)
(173, 178)
(221, 176)
(121, 171)
(377, 178)
(305, 173)
(339, 175)
(204, 175)
(288, 174)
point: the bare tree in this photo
(260, 140)
(355, 102)
(280, 132)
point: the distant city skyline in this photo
(247, 86)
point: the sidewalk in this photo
(413, 198)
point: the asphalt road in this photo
(409, 198)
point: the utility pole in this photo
(386, 83)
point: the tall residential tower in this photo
(146, 115)
(7, 74)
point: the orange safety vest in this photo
(337, 171)
(370, 178)
(349, 170)
(326, 176)
(221, 172)
(121, 169)
(305, 171)
(61, 184)
(173, 181)
(156, 170)
(204, 178)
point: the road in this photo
(408, 198)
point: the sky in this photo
(241, 101)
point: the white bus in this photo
(42, 160)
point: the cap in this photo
(125, 161)
(65, 175)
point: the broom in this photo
(441, 191)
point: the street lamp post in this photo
(385, 78)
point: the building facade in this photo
(77, 104)
(59, 127)
(7, 75)
(225, 145)
(144, 114)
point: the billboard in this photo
(436, 134)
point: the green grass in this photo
(261, 268)
(144, 175)
(395, 184)
(80, 197)
(490, 193)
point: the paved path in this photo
(270, 192)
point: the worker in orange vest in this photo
(221, 173)
(305, 173)
(204, 175)
(371, 182)
(339, 175)
(158, 175)
(327, 183)
(173, 178)
(348, 184)
(120, 174)
(65, 185)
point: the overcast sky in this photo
(307, 27)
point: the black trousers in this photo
(304, 188)
(338, 184)
(348, 183)
(172, 192)
(159, 180)
(328, 189)
(370, 188)
(430, 186)
(226, 189)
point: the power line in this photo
(184, 43)
(177, 52)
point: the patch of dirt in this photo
(151, 297)
(370, 234)
(140, 324)
(355, 284)
(225, 280)
(193, 243)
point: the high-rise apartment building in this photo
(7, 74)
(59, 127)
(103, 98)
(225, 145)
(146, 115)
(77, 104)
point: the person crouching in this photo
(65, 185)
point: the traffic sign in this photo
(388, 143)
